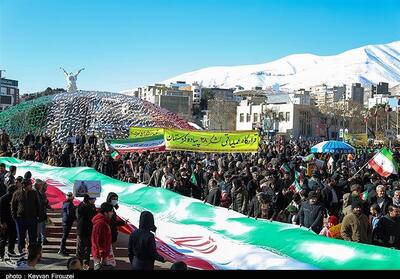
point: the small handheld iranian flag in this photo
(295, 187)
(193, 179)
(298, 175)
(115, 155)
(364, 195)
(284, 168)
(383, 163)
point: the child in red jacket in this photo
(102, 253)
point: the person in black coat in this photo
(142, 250)
(214, 195)
(84, 213)
(65, 159)
(331, 197)
(388, 229)
(68, 218)
(112, 198)
(311, 213)
(7, 223)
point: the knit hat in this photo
(356, 203)
(28, 175)
(332, 219)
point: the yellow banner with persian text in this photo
(201, 141)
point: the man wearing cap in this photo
(85, 213)
(355, 225)
(68, 218)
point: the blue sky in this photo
(127, 43)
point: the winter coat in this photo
(312, 216)
(43, 205)
(25, 204)
(356, 228)
(85, 213)
(385, 206)
(68, 213)
(101, 237)
(214, 196)
(142, 250)
(240, 199)
(388, 232)
(5, 208)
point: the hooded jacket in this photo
(114, 223)
(101, 237)
(142, 250)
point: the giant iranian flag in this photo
(384, 163)
(208, 237)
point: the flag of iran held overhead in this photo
(284, 168)
(115, 155)
(383, 163)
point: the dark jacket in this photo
(85, 213)
(312, 216)
(114, 222)
(65, 160)
(385, 206)
(142, 250)
(5, 208)
(327, 199)
(388, 232)
(25, 204)
(68, 213)
(214, 197)
(43, 205)
(106, 167)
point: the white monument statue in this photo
(71, 80)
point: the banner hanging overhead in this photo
(200, 141)
(140, 132)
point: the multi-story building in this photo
(324, 95)
(177, 98)
(221, 115)
(9, 93)
(356, 93)
(286, 118)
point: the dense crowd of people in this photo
(280, 183)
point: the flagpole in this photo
(366, 164)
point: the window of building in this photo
(281, 116)
(255, 117)
(12, 91)
(248, 118)
(4, 90)
(287, 117)
(242, 117)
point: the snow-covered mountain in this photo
(368, 65)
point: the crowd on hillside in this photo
(279, 183)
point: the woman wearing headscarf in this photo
(142, 250)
